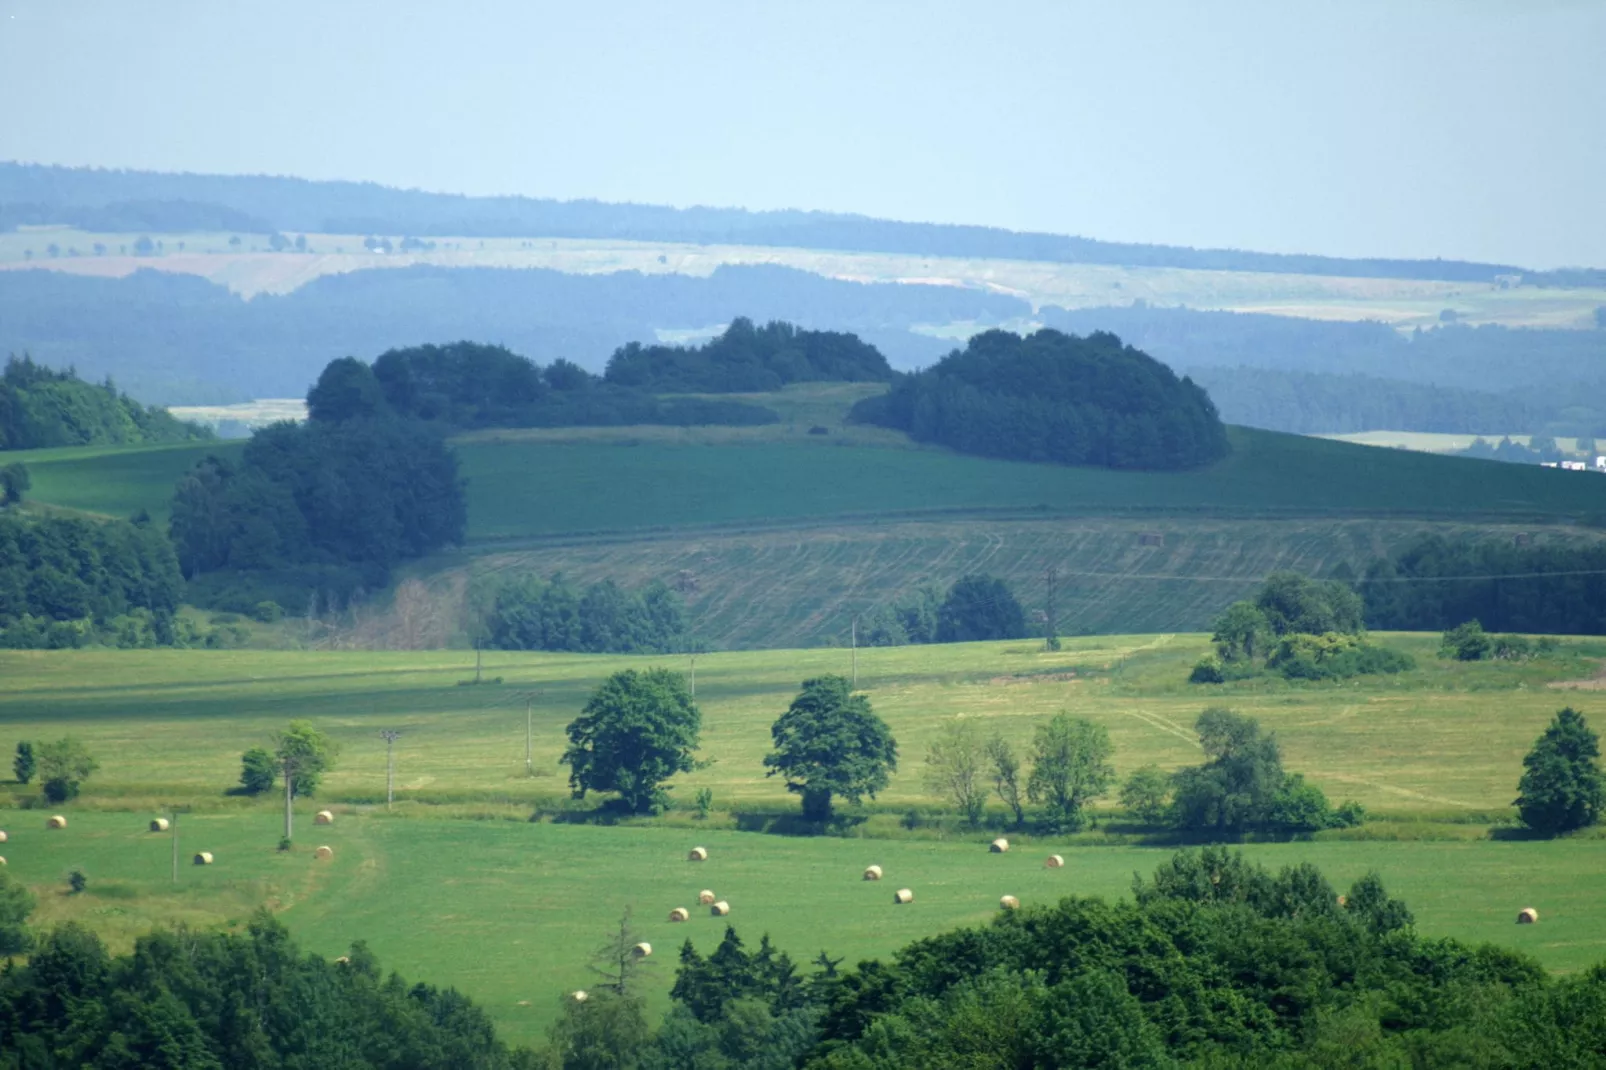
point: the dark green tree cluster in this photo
(1300, 628)
(1242, 786)
(978, 607)
(526, 613)
(1562, 788)
(1436, 583)
(1541, 449)
(637, 730)
(208, 1001)
(15, 482)
(353, 496)
(466, 384)
(1056, 398)
(749, 359)
(69, 582)
(1469, 642)
(40, 407)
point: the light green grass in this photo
(508, 912)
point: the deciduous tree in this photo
(830, 743)
(1562, 788)
(956, 767)
(1070, 767)
(637, 730)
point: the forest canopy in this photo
(749, 359)
(40, 407)
(1055, 397)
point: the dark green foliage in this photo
(830, 743)
(14, 483)
(76, 881)
(24, 765)
(65, 582)
(1294, 603)
(1207, 670)
(258, 770)
(359, 495)
(749, 359)
(1070, 768)
(978, 608)
(1242, 786)
(1056, 398)
(637, 730)
(1466, 642)
(1146, 794)
(205, 1001)
(63, 767)
(1334, 656)
(605, 1032)
(304, 754)
(1242, 633)
(1562, 786)
(40, 408)
(470, 385)
(1301, 628)
(347, 390)
(1543, 588)
(527, 614)
(16, 903)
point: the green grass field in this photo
(457, 887)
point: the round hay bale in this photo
(203, 858)
(680, 914)
(1343, 900)
(705, 897)
(2, 835)
(2, 860)
(903, 895)
(56, 822)
(720, 909)
(697, 854)
(343, 960)
(641, 950)
(159, 824)
(323, 817)
(998, 846)
(1527, 916)
(872, 873)
(1054, 861)
(578, 997)
(1009, 902)
(324, 853)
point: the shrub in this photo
(1334, 656)
(77, 881)
(1207, 670)
(258, 770)
(267, 611)
(1466, 642)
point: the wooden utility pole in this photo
(694, 677)
(529, 731)
(389, 735)
(289, 791)
(1052, 641)
(176, 810)
(854, 632)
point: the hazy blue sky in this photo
(1457, 128)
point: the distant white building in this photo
(1600, 464)
(1548, 464)
(1575, 466)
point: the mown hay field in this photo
(509, 911)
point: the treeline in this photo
(134, 216)
(1435, 583)
(211, 1000)
(526, 613)
(467, 385)
(1325, 403)
(67, 582)
(330, 505)
(749, 359)
(1215, 961)
(365, 208)
(1057, 398)
(977, 608)
(40, 407)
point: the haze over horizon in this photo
(1393, 128)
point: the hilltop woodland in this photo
(1406, 592)
(1057, 398)
(749, 359)
(41, 408)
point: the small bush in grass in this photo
(77, 881)
(705, 802)
(1207, 670)
(284, 843)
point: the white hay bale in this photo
(203, 858)
(1054, 861)
(697, 854)
(706, 897)
(1343, 901)
(578, 997)
(323, 817)
(2, 835)
(158, 824)
(324, 853)
(641, 950)
(343, 960)
(680, 914)
(56, 822)
(903, 895)
(1528, 916)
(2, 860)
(872, 873)
(1009, 902)
(998, 846)
(720, 909)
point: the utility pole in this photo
(855, 642)
(389, 735)
(1053, 640)
(529, 732)
(176, 810)
(694, 677)
(476, 662)
(289, 790)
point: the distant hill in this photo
(35, 194)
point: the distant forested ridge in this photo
(1055, 397)
(749, 359)
(295, 204)
(67, 582)
(40, 407)
(467, 385)
(1436, 583)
